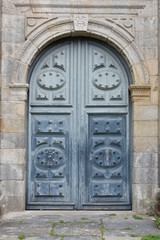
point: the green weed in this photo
(128, 228)
(21, 236)
(137, 217)
(151, 237)
(158, 222)
(134, 235)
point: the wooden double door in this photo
(78, 128)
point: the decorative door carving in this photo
(78, 141)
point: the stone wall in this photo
(129, 26)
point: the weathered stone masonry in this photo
(129, 26)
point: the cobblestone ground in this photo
(76, 225)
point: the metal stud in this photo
(57, 75)
(62, 53)
(95, 53)
(60, 185)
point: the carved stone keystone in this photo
(80, 22)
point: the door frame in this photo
(129, 77)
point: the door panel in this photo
(78, 130)
(107, 162)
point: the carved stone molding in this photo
(57, 28)
(126, 22)
(140, 93)
(18, 92)
(80, 22)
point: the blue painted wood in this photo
(78, 142)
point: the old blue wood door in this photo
(78, 128)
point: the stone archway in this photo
(107, 31)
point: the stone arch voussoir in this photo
(107, 31)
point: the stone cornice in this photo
(140, 93)
(19, 85)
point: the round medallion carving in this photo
(51, 80)
(107, 157)
(106, 80)
(49, 158)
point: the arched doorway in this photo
(78, 128)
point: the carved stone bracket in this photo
(140, 93)
(80, 22)
(18, 92)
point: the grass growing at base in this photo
(151, 237)
(134, 235)
(21, 236)
(137, 217)
(112, 215)
(158, 222)
(127, 228)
